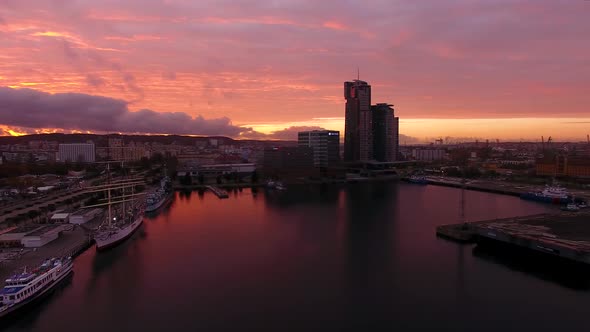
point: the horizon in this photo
(446, 140)
(508, 70)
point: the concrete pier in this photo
(70, 243)
(564, 235)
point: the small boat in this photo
(572, 207)
(418, 179)
(25, 288)
(270, 184)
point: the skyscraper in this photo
(325, 145)
(385, 132)
(358, 140)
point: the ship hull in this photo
(118, 237)
(544, 199)
(21, 307)
(167, 198)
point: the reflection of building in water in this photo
(307, 195)
(369, 243)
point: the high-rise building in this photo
(358, 129)
(385, 133)
(325, 145)
(76, 152)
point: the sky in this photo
(464, 69)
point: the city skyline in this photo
(268, 70)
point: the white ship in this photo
(125, 213)
(25, 288)
(111, 235)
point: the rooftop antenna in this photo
(358, 74)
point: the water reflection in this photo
(561, 272)
(369, 249)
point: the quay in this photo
(496, 187)
(221, 193)
(563, 235)
(71, 242)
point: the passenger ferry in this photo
(24, 288)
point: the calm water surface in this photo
(359, 257)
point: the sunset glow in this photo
(464, 69)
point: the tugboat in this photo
(25, 288)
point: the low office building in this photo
(325, 145)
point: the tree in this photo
(254, 177)
(32, 214)
(201, 178)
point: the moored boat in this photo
(551, 194)
(270, 184)
(115, 233)
(160, 196)
(25, 288)
(417, 179)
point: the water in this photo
(357, 257)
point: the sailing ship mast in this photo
(109, 193)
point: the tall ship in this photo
(27, 287)
(160, 196)
(125, 212)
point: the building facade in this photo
(325, 145)
(288, 161)
(563, 165)
(358, 128)
(385, 133)
(77, 152)
(428, 154)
